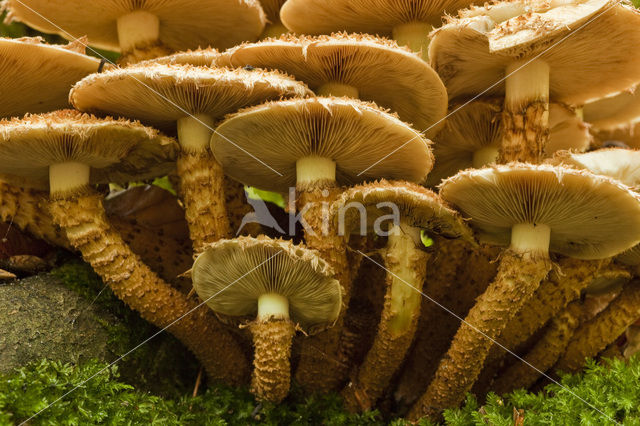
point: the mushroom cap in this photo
(117, 150)
(159, 94)
(614, 110)
(363, 16)
(184, 24)
(476, 125)
(418, 207)
(630, 257)
(628, 133)
(36, 77)
(198, 57)
(617, 163)
(590, 216)
(384, 73)
(272, 9)
(230, 275)
(363, 140)
(587, 61)
(607, 281)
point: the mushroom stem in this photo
(323, 364)
(84, 221)
(337, 89)
(407, 268)
(525, 118)
(272, 306)
(315, 171)
(138, 29)
(485, 156)
(519, 275)
(201, 183)
(544, 353)
(415, 35)
(271, 363)
(67, 177)
(594, 335)
(274, 30)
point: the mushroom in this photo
(596, 334)
(472, 135)
(190, 99)
(37, 76)
(533, 210)
(626, 135)
(554, 340)
(541, 50)
(66, 152)
(198, 57)
(409, 22)
(274, 27)
(316, 145)
(282, 286)
(144, 29)
(354, 65)
(415, 209)
(613, 111)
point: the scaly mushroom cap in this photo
(116, 150)
(590, 46)
(363, 140)
(476, 125)
(197, 57)
(614, 110)
(230, 275)
(382, 72)
(36, 77)
(418, 207)
(160, 94)
(184, 24)
(591, 217)
(363, 16)
(617, 163)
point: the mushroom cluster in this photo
(459, 191)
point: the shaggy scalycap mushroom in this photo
(473, 133)
(408, 209)
(129, 25)
(356, 65)
(536, 51)
(36, 76)
(67, 151)
(533, 210)
(282, 286)
(407, 21)
(190, 99)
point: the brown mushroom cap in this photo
(617, 163)
(382, 72)
(362, 16)
(630, 257)
(418, 207)
(36, 77)
(628, 134)
(116, 150)
(198, 57)
(160, 94)
(586, 61)
(614, 110)
(230, 275)
(590, 217)
(184, 24)
(363, 140)
(477, 125)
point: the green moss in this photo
(613, 388)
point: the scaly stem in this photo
(415, 35)
(594, 335)
(407, 267)
(315, 172)
(525, 118)
(201, 183)
(83, 219)
(337, 89)
(272, 336)
(522, 268)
